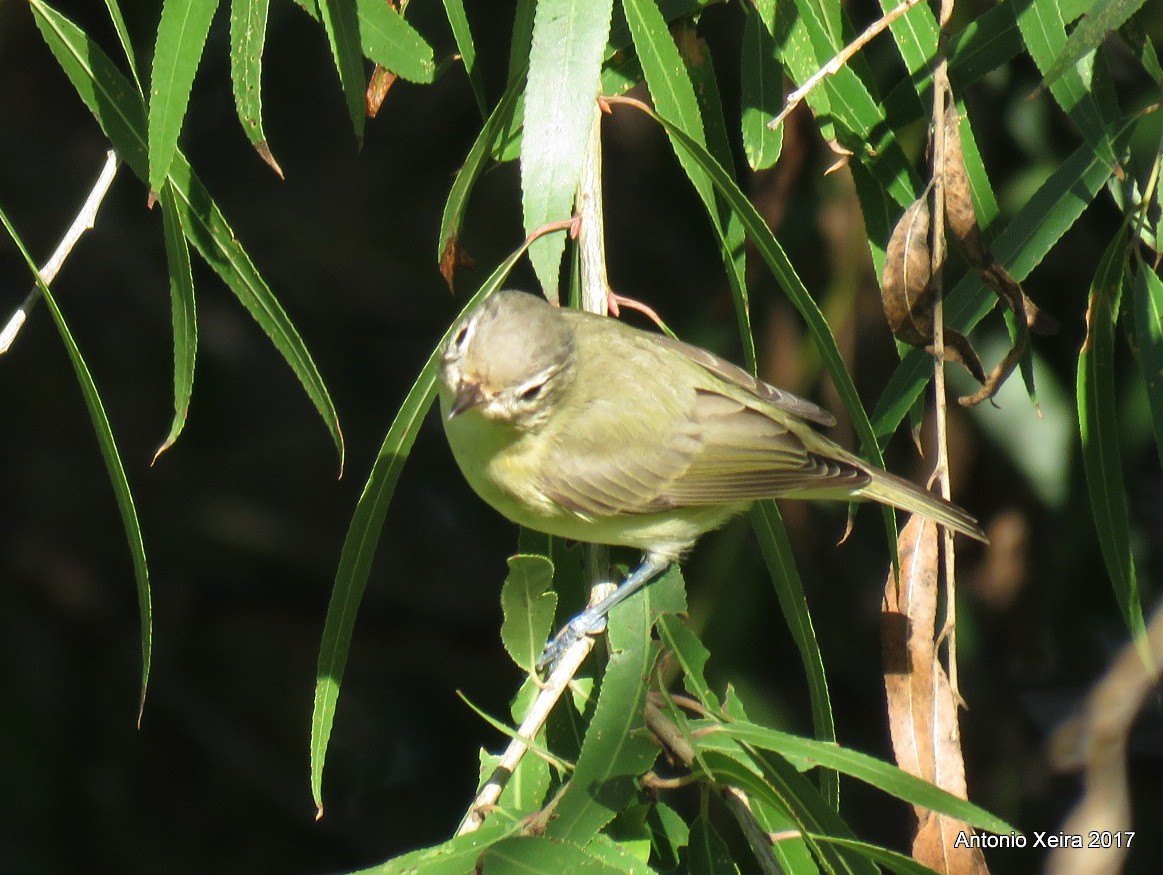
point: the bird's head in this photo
(508, 359)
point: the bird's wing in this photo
(749, 454)
(719, 450)
(735, 375)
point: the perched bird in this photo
(585, 428)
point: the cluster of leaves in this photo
(564, 55)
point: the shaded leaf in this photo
(1099, 22)
(1098, 424)
(113, 464)
(462, 33)
(1148, 310)
(342, 28)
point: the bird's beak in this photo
(468, 396)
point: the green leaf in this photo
(891, 860)
(565, 62)
(668, 833)
(885, 776)
(181, 36)
(692, 658)
(453, 857)
(1148, 309)
(522, 855)
(248, 32)
(457, 203)
(113, 465)
(1098, 424)
(789, 589)
(183, 315)
(1078, 93)
(1100, 21)
(462, 33)
(707, 853)
(363, 534)
(762, 86)
(123, 37)
(388, 39)
(342, 28)
(779, 785)
(528, 603)
(121, 113)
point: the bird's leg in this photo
(593, 618)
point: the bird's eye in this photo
(460, 336)
(530, 393)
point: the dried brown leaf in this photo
(922, 708)
(378, 86)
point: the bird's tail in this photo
(906, 495)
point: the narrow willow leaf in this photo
(363, 534)
(528, 604)
(1098, 424)
(458, 196)
(697, 62)
(387, 38)
(113, 464)
(462, 33)
(915, 34)
(891, 860)
(692, 656)
(1148, 304)
(342, 28)
(565, 62)
(123, 37)
(1043, 30)
(248, 33)
(181, 36)
(454, 857)
(762, 86)
(521, 855)
(771, 779)
(789, 589)
(856, 111)
(121, 113)
(877, 773)
(183, 315)
(1100, 21)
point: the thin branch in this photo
(85, 220)
(553, 688)
(837, 63)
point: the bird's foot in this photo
(588, 622)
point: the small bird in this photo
(585, 428)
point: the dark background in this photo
(244, 518)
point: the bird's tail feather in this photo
(905, 495)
